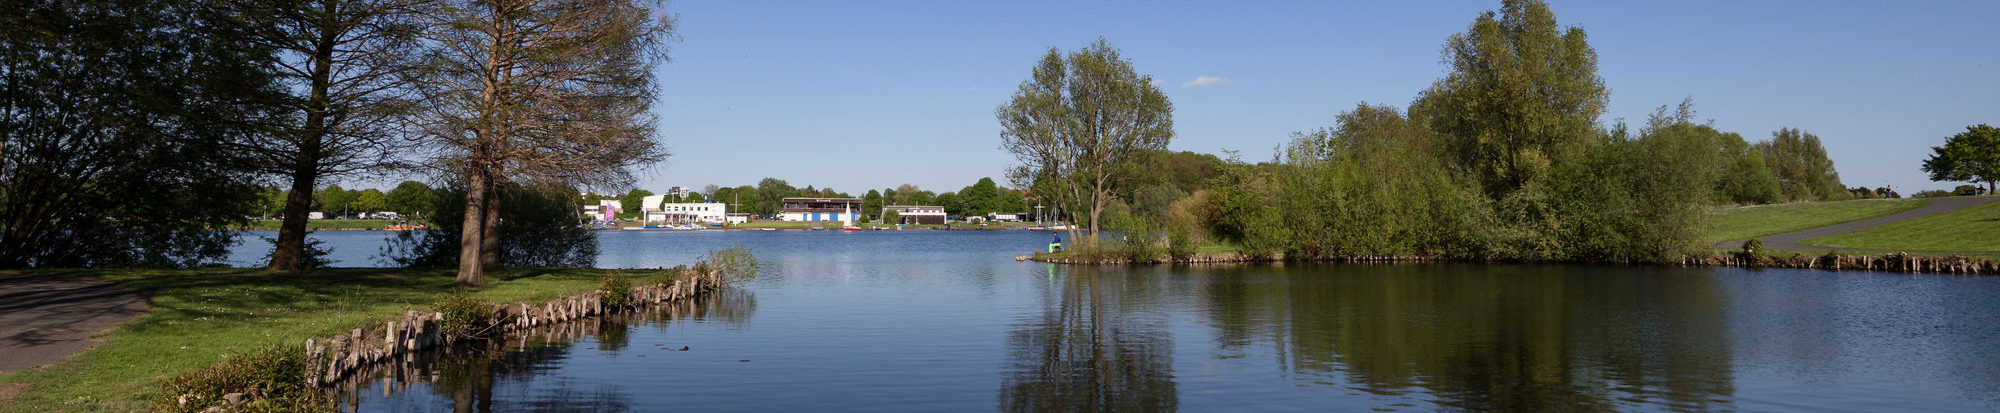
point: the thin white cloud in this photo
(1157, 82)
(1204, 81)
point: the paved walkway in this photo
(1790, 240)
(45, 318)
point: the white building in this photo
(821, 209)
(916, 214)
(1006, 216)
(736, 218)
(606, 210)
(659, 211)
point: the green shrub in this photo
(1180, 243)
(1752, 249)
(1141, 243)
(617, 289)
(729, 265)
(271, 378)
(464, 316)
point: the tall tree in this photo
(542, 91)
(1800, 163)
(1745, 177)
(370, 200)
(1079, 124)
(344, 63)
(1970, 156)
(410, 197)
(634, 200)
(871, 204)
(118, 120)
(771, 194)
(1522, 94)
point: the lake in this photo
(948, 321)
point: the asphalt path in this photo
(45, 318)
(1790, 240)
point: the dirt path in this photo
(45, 318)
(1790, 240)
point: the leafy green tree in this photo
(1521, 95)
(1010, 200)
(871, 204)
(1799, 162)
(1970, 156)
(634, 199)
(271, 200)
(1745, 177)
(410, 198)
(333, 200)
(122, 128)
(902, 195)
(1081, 126)
(922, 198)
(1375, 184)
(980, 198)
(771, 194)
(953, 204)
(370, 200)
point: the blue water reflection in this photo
(948, 321)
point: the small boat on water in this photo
(850, 228)
(406, 227)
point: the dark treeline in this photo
(1503, 158)
(118, 120)
(137, 132)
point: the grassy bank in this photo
(201, 316)
(1739, 223)
(1974, 230)
(338, 224)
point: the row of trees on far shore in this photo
(1503, 158)
(137, 131)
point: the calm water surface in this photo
(947, 321)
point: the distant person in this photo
(1056, 242)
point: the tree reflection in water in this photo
(1092, 347)
(1517, 338)
(466, 374)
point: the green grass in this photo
(1975, 229)
(200, 316)
(1740, 223)
(272, 224)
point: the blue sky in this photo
(859, 95)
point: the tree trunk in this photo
(1096, 211)
(290, 251)
(489, 254)
(472, 236)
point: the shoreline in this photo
(1899, 262)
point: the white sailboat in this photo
(847, 219)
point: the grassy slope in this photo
(1975, 229)
(200, 316)
(1730, 224)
